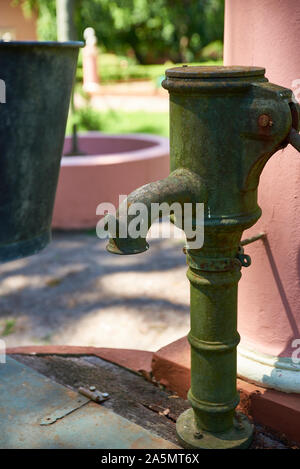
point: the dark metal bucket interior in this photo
(38, 79)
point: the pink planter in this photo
(114, 165)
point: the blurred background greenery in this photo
(137, 40)
(119, 122)
(150, 31)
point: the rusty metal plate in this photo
(36, 412)
(209, 71)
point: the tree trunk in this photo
(66, 30)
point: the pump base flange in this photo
(237, 437)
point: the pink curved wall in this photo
(267, 33)
(114, 165)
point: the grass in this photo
(8, 328)
(122, 122)
(113, 68)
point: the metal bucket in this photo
(36, 83)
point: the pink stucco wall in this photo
(114, 165)
(267, 33)
(13, 17)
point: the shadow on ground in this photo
(75, 293)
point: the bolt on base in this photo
(237, 437)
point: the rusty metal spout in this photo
(182, 186)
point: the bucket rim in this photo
(72, 44)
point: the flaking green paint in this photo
(218, 149)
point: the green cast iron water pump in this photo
(225, 124)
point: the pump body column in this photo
(212, 421)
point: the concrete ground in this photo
(75, 293)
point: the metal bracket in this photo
(63, 411)
(90, 393)
(244, 259)
(93, 394)
(254, 238)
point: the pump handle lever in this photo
(294, 139)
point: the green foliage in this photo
(119, 122)
(8, 327)
(114, 68)
(126, 70)
(213, 51)
(85, 118)
(27, 6)
(151, 31)
(157, 30)
(46, 26)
